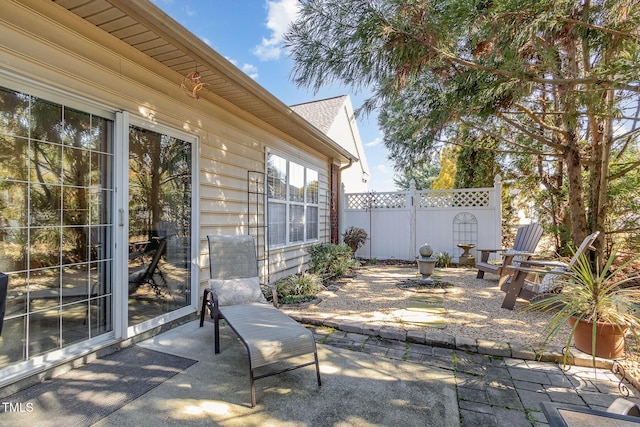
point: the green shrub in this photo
(329, 260)
(298, 288)
(443, 260)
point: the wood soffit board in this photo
(146, 28)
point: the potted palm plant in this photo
(599, 305)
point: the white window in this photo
(293, 202)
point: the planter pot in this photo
(609, 339)
(426, 266)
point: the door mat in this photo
(83, 396)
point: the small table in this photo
(564, 415)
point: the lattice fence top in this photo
(425, 199)
(365, 201)
(454, 199)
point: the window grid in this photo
(293, 202)
(55, 203)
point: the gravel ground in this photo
(473, 305)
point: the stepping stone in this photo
(424, 319)
(432, 299)
(421, 306)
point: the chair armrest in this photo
(214, 300)
(508, 258)
(545, 263)
(531, 269)
(484, 254)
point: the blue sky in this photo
(249, 34)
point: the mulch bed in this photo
(420, 285)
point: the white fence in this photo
(398, 223)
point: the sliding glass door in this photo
(160, 224)
(64, 241)
(56, 225)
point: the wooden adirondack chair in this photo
(521, 285)
(527, 239)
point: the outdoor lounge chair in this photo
(141, 277)
(527, 239)
(269, 335)
(521, 284)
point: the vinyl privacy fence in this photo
(398, 223)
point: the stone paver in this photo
(493, 389)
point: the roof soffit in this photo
(143, 26)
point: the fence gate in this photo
(398, 223)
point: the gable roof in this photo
(143, 26)
(335, 117)
(321, 113)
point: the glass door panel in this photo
(56, 202)
(160, 170)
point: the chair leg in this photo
(216, 330)
(513, 290)
(502, 279)
(317, 369)
(253, 388)
(205, 295)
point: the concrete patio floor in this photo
(366, 381)
(357, 389)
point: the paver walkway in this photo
(495, 390)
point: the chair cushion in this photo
(237, 291)
(552, 281)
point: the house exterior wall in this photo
(54, 53)
(345, 129)
(51, 53)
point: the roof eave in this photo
(174, 33)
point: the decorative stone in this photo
(425, 251)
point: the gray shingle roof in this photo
(320, 113)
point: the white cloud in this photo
(383, 168)
(249, 69)
(190, 12)
(280, 14)
(375, 142)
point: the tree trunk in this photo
(579, 229)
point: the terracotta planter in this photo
(609, 339)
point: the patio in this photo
(366, 381)
(372, 373)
